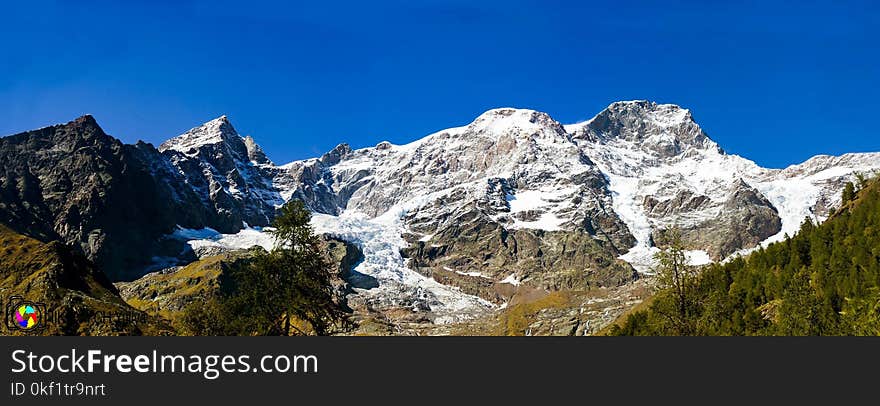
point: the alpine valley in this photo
(512, 224)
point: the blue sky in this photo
(775, 82)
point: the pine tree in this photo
(674, 273)
(849, 192)
(286, 291)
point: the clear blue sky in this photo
(776, 82)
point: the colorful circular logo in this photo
(27, 317)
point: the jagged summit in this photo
(511, 112)
(84, 126)
(229, 172)
(336, 154)
(645, 105)
(665, 129)
(641, 114)
(215, 131)
(85, 119)
(85, 122)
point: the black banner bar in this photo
(412, 370)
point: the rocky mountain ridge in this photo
(451, 225)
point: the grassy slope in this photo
(167, 294)
(67, 283)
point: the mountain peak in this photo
(512, 113)
(218, 130)
(501, 120)
(667, 129)
(663, 114)
(84, 126)
(335, 155)
(85, 119)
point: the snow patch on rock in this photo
(210, 238)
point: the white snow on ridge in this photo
(208, 133)
(470, 273)
(795, 190)
(794, 199)
(525, 200)
(634, 173)
(627, 206)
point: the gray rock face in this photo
(683, 202)
(744, 219)
(229, 173)
(312, 182)
(480, 257)
(664, 129)
(254, 153)
(486, 195)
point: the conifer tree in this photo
(849, 192)
(286, 291)
(674, 273)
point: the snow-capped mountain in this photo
(665, 171)
(450, 225)
(457, 221)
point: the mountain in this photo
(452, 226)
(110, 201)
(480, 208)
(516, 199)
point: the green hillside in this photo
(78, 299)
(823, 281)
